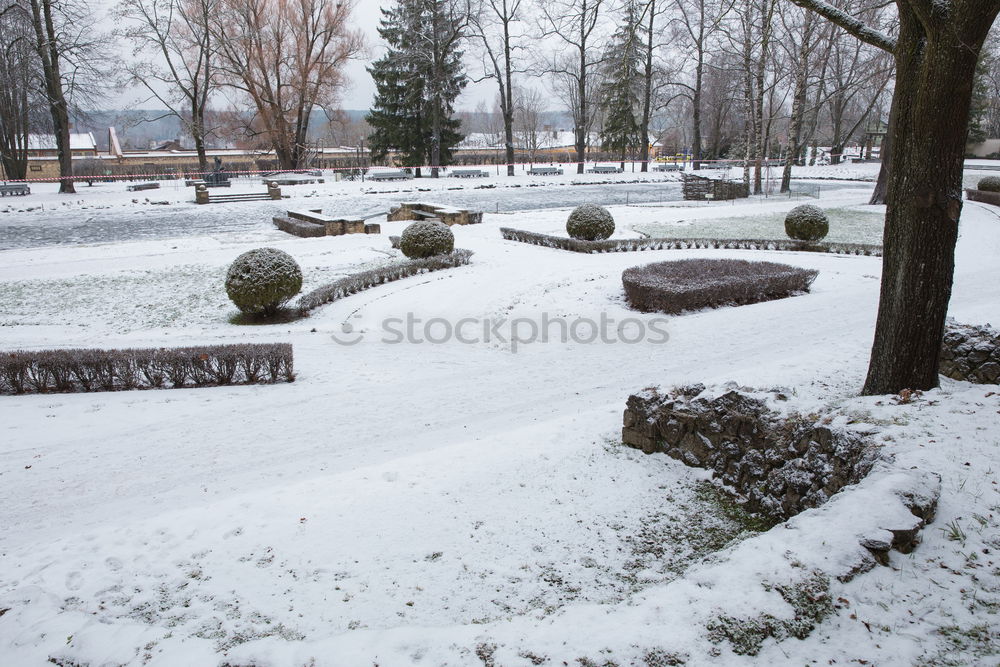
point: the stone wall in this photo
(780, 467)
(449, 216)
(971, 353)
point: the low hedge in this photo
(86, 370)
(385, 274)
(635, 245)
(693, 284)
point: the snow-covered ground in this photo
(456, 502)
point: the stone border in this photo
(970, 353)
(637, 245)
(778, 467)
(422, 211)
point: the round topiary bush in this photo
(260, 281)
(989, 184)
(590, 222)
(426, 238)
(806, 223)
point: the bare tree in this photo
(530, 105)
(574, 23)
(174, 58)
(800, 53)
(69, 49)
(287, 57)
(936, 54)
(752, 39)
(696, 23)
(494, 25)
(20, 102)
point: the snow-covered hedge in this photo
(692, 284)
(386, 274)
(426, 238)
(24, 371)
(590, 222)
(633, 245)
(807, 223)
(989, 184)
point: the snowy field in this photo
(457, 503)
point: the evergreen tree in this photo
(621, 93)
(417, 82)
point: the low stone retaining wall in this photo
(983, 196)
(312, 223)
(447, 215)
(779, 467)
(971, 353)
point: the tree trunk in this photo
(647, 79)
(934, 81)
(699, 77)
(508, 94)
(198, 134)
(48, 47)
(880, 195)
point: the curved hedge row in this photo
(635, 245)
(386, 274)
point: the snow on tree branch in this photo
(852, 25)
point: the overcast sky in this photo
(361, 88)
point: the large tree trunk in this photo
(934, 81)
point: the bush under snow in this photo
(260, 281)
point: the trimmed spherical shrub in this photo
(426, 238)
(806, 223)
(590, 222)
(989, 184)
(260, 281)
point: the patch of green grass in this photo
(847, 225)
(810, 601)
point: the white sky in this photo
(362, 89)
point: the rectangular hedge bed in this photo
(44, 371)
(634, 245)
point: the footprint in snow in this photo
(74, 580)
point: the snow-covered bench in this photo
(468, 173)
(389, 176)
(545, 171)
(604, 169)
(135, 187)
(14, 190)
(667, 166)
(203, 196)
